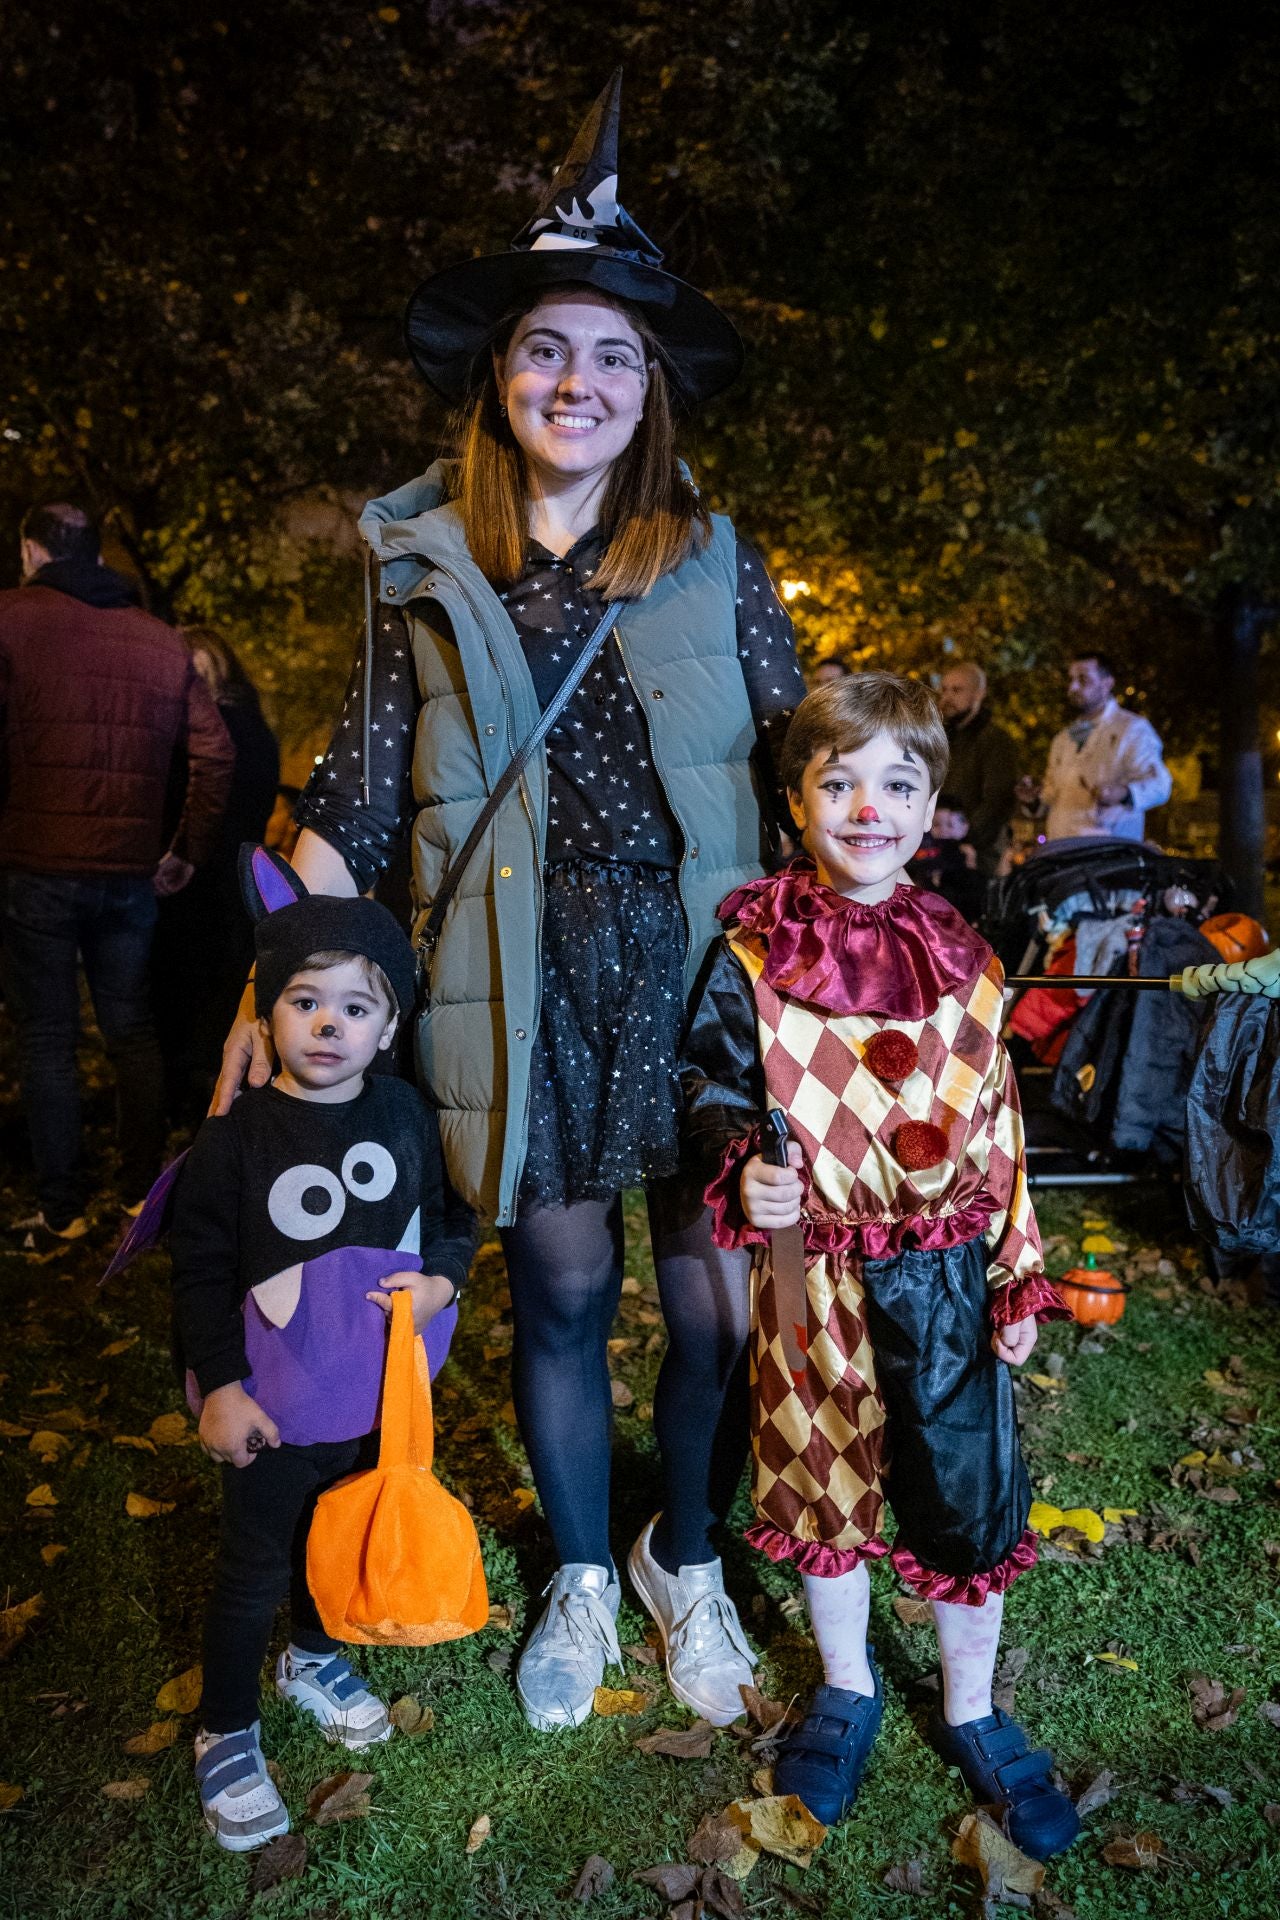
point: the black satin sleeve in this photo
(721, 1077)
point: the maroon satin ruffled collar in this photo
(895, 959)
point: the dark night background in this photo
(1007, 274)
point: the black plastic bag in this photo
(1232, 1170)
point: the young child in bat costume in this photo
(868, 1013)
(294, 1219)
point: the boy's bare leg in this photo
(838, 1607)
(968, 1640)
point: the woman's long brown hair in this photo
(651, 516)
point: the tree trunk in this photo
(1241, 622)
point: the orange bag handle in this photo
(408, 1430)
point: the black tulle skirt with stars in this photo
(604, 1097)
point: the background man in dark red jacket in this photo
(102, 714)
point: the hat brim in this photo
(451, 317)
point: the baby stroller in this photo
(1104, 1069)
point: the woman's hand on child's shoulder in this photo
(1014, 1342)
(771, 1196)
(431, 1294)
(234, 1428)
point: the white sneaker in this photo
(324, 1686)
(564, 1660)
(35, 1235)
(238, 1797)
(706, 1652)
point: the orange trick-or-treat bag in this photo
(392, 1558)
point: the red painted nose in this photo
(866, 815)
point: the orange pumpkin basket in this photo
(1095, 1297)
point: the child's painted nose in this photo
(328, 1030)
(866, 815)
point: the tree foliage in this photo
(1007, 277)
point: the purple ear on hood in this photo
(267, 882)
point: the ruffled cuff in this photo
(811, 1556)
(1033, 1296)
(964, 1589)
(730, 1227)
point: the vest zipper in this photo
(368, 674)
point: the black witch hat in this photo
(580, 236)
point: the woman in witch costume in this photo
(563, 962)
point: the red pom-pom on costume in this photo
(918, 1144)
(891, 1055)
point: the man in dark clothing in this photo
(984, 762)
(96, 700)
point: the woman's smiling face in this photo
(573, 381)
(863, 814)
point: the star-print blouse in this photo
(605, 801)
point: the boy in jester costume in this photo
(866, 1013)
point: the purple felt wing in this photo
(267, 882)
(151, 1224)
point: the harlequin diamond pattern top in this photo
(605, 801)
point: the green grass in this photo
(122, 1608)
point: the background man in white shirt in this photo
(1106, 770)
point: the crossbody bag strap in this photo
(429, 932)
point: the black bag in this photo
(1232, 1162)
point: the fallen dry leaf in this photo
(501, 1618)
(1002, 1867)
(9, 1430)
(912, 1612)
(1051, 1906)
(133, 1789)
(42, 1496)
(122, 1345)
(1269, 1710)
(170, 1430)
(1138, 1851)
(621, 1394)
(479, 1832)
(1114, 1660)
(596, 1876)
(10, 1795)
(715, 1841)
(139, 1507)
(719, 1894)
(669, 1881)
(681, 1743)
(135, 1440)
(65, 1420)
(905, 1878)
(766, 1713)
(159, 1735)
(780, 1825)
(1046, 1382)
(410, 1716)
(48, 1446)
(342, 1796)
(1271, 1813)
(644, 1656)
(15, 1620)
(280, 1860)
(1098, 1792)
(54, 1551)
(618, 1700)
(1212, 1707)
(182, 1693)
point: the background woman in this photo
(559, 983)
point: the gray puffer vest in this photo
(679, 646)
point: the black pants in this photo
(50, 923)
(956, 1481)
(565, 1266)
(262, 1555)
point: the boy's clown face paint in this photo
(863, 815)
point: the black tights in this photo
(565, 1268)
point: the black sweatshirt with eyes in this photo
(278, 1181)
